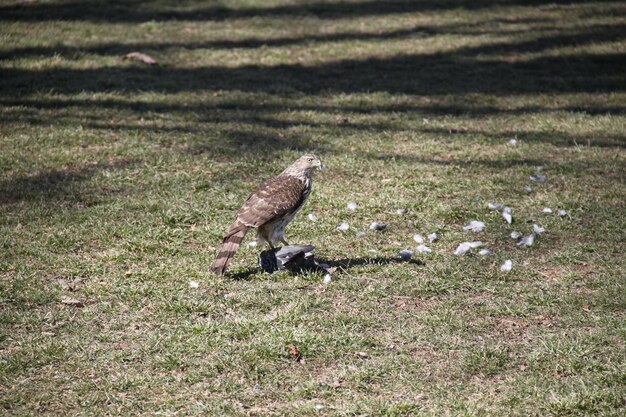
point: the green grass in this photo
(117, 181)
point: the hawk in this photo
(269, 208)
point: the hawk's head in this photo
(303, 166)
(309, 161)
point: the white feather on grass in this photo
(506, 266)
(327, 279)
(418, 238)
(484, 252)
(526, 240)
(194, 284)
(562, 213)
(495, 206)
(352, 206)
(515, 235)
(342, 227)
(462, 249)
(537, 178)
(377, 226)
(432, 237)
(424, 249)
(547, 210)
(506, 214)
(538, 229)
(312, 217)
(475, 226)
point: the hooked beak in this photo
(320, 165)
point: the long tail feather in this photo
(230, 244)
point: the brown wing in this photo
(275, 198)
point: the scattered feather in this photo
(360, 233)
(424, 249)
(138, 56)
(343, 227)
(405, 254)
(495, 206)
(512, 141)
(547, 210)
(537, 178)
(506, 266)
(526, 240)
(562, 213)
(193, 284)
(319, 407)
(475, 226)
(463, 248)
(71, 301)
(352, 206)
(312, 217)
(372, 251)
(484, 252)
(418, 238)
(377, 226)
(538, 229)
(515, 235)
(252, 243)
(432, 237)
(327, 279)
(528, 190)
(402, 211)
(506, 213)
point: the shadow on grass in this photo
(497, 68)
(591, 34)
(341, 265)
(501, 68)
(429, 74)
(276, 116)
(255, 111)
(56, 185)
(556, 138)
(145, 11)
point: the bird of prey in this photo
(269, 208)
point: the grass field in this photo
(118, 179)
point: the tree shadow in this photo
(556, 138)
(255, 111)
(143, 10)
(426, 75)
(503, 69)
(250, 139)
(60, 185)
(418, 31)
(340, 265)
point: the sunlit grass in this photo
(117, 181)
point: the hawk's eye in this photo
(309, 160)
